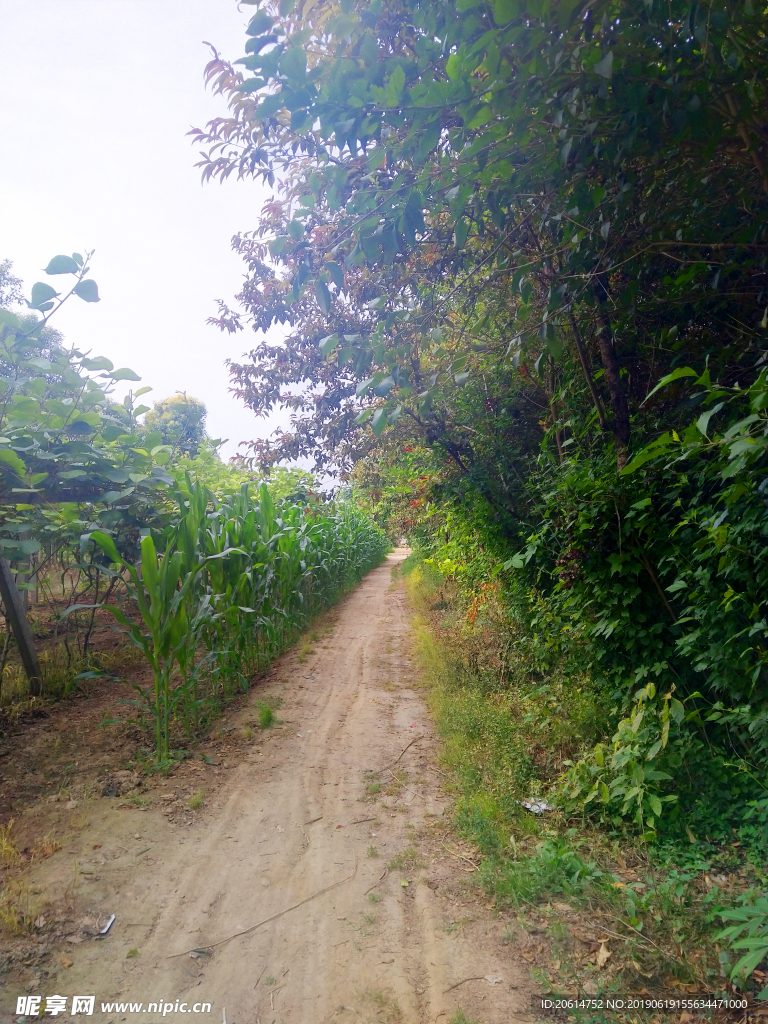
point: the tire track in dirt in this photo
(290, 821)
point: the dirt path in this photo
(322, 800)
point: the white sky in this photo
(95, 99)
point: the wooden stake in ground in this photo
(17, 619)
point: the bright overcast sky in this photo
(97, 97)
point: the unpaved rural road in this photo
(317, 802)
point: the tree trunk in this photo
(613, 377)
(584, 359)
(17, 619)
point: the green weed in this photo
(407, 860)
(461, 1018)
(196, 800)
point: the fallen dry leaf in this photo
(494, 979)
(66, 961)
(528, 955)
(603, 954)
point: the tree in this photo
(180, 421)
(593, 171)
(70, 459)
(10, 286)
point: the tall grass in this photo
(228, 585)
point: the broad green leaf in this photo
(10, 458)
(41, 293)
(259, 24)
(99, 363)
(395, 86)
(336, 273)
(293, 62)
(87, 290)
(505, 10)
(678, 374)
(376, 158)
(379, 422)
(323, 297)
(702, 423)
(481, 118)
(460, 232)
(8, 319)
(124, 374)
(327, 345)
(453, 66)
(604, 67)
(62, 265)
(277, 245)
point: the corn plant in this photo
(238, 579)
(161, 593)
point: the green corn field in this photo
(230, 583)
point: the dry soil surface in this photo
(320, 881)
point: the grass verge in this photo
(619, 915)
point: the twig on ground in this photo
(416, 740)
(635, 933)
(274, 917)
(272, 995)
(463, 982)
(386, 872)
(313, 820)
(361, 820)
(460, 856)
